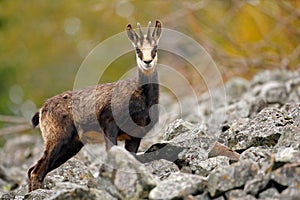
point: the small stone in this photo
(204, 167)
(162, 150)
(264, 129)
(6, 182)
(222, 150)
(291, 193)
(205, 196)
(236, 87)
(68, 191)
(260, 155)
(291, 133)
(238, 195)
(270, 193)
(237, 110)
(257, 184)
(287, 154)
(125, 182)
(39, 194)
(161, 168)
(287, 175)
(176, 128)
(178, 185)
(273, 92)
(73, 171)
(230, 177)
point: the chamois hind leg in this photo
(56, 153)
(132, 144)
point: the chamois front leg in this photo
(132, 145)
(110, 130)
(56, 153)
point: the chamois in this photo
(125, 109)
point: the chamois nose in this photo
(147, 61)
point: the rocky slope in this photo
(254, 153)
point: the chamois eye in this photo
(139, 53)
(154, 51)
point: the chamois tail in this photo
(35, 119)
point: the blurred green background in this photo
(43, 42)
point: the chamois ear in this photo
(157, 31)
(133, 37)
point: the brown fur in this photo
(120, 110)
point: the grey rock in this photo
(280, 75)
(176, 128)
(195, 142)
(204, 167)
(105, 184)
(205, 196)
(270, 193)
(290, 136)
(126, 177)
(162, 168)
(278, 87)
(291, 193)
(73, 171)
(21, 149)
(9, 195)
(92, 156)
(231, 177)
(272, 92)
(235, 88)
(260, 155)
(287, 154)
(18, 193)
(237, 194)
(74, 191)
(237, 110)
(18, 154)
(178, 185)
(39, 194)
(265, 161)
(6, 182)
(291, 133)
(257, 184)
(162, 150)
(186, 144)
(267, 88)
(229, 130)
(264, 129)
(191, 156)
(293, 89)
(194, 138)
(293, 109)
(257, 104)
(287, 175)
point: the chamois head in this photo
(145, 46)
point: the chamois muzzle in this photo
(147, 62)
